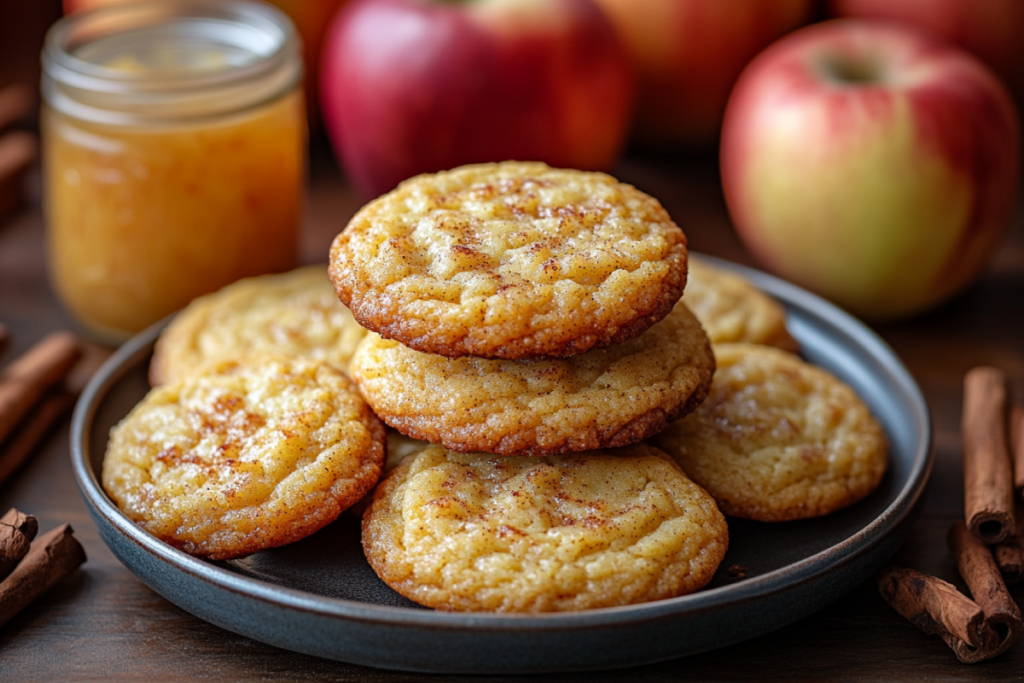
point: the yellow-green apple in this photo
(688, 54)
(411, 86)
(992, 29)
(871, 163)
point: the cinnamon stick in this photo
(16, 533)
(988, 475)
(1009, 554)
(979, 570)
(52, 557)
(32, 430)
(934, 606)
(25, 380)
(24, 441)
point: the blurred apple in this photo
(688, 54)
(311, 19)
(411, 86)
(870, 163)
(75, 5)
(991, 29)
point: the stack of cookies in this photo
(520, 310)
(547, 382)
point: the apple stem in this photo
(852, 72)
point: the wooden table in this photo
(103, 623)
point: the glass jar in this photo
(174, 155)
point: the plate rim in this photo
(755, 588)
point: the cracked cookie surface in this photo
(510, 260)
(604, 398)
(246, 455)
(295, 313)
(731, 309)
(476, 532)
(777, 438)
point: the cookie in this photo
(246, 455)
(476, 532)
(777, 438)
(295, 314)
(731, 309)
(511, 260)
(600, 399)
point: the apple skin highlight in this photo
(411, 86)
(871, 164)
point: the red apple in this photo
(76, 5)
(871, 163)
(688, 54)
(992, 29)
(411, 86)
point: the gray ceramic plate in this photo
(319, 596)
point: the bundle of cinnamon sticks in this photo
(28, 568)
(37, 389)
(988, 546)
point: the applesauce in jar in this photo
(174, 149)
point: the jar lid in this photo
(169, 60)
